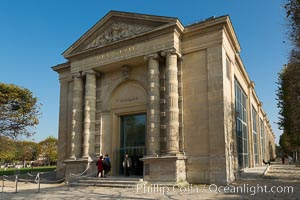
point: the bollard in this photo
(67, 184)
(69, 181)
(39, 182)
(2, 183)
(27, 178)
(16, 182)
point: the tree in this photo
(285, 144)
(14, 150)
(48, 149)
(288, 92)
(18, 111)
(25, 151)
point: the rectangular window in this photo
(262, 138)
(241, 125)
(254, 132)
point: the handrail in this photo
(37, 180)
(81, 174)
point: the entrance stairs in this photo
(110, 181)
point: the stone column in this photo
(172, 110)
(89, 115)
(77, 116)
(153, 141)
(98, 122)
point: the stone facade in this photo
(183, 79)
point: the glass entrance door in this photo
(133, 141)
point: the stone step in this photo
(102, 185)
(106, 182)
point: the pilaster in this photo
(180, 105)
(250, 124)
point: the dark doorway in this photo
(133, 141)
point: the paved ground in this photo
(283, 180)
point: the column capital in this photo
(91, 72)
(151, 56)
(171, 51)
(76, 75)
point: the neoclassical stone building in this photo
(176, 98)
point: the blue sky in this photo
(34, 33)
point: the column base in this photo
(88, 158)
(170, 169)
(72, 157)
(76, 167)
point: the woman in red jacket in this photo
(100, 166)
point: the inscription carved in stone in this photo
(129, 94)
(127, 99)
(117, 31)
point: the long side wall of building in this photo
(234, 70)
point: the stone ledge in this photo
(177, 157)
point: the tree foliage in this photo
(7, 149)
(48, 149)
(292, 8)
(26, 151)
(284, 143)
(18, 151)
(288, 92)
(18, 111)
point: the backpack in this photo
(104, 163)
(108, 165)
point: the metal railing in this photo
(35, 179)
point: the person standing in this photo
(106, 165)
(127, 165)
(99, 163)
(290, 159)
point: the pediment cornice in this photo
(117, 27)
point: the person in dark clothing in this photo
(106, 165)
(127, 163)
(100, 166)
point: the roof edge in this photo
(59, 67)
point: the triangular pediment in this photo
(115, 27)
(117, 31)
